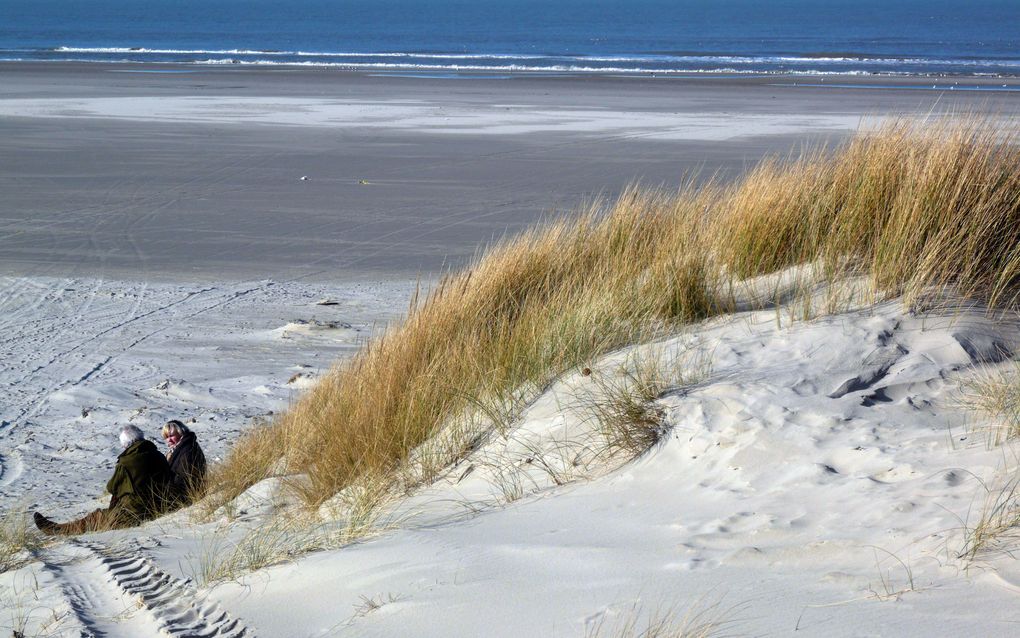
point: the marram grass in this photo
(912, 206)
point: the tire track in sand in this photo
(120, 592)
(30, 405)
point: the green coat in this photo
(140, 482)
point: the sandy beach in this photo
(142, 171)
(205, 243)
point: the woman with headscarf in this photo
(187, 462)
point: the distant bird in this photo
(304, 178)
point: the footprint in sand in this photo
(11, 468)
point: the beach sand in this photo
(162, 257)
(122, 171)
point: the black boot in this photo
(45, 525)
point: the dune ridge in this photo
(912, 209)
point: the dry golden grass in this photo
(704, 619)
(913, 206)
(622, 402)
(997, 528)
(19, 540)
(996, 392)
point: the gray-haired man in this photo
(138, 489)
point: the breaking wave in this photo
(837, 64)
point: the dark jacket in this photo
(187, 468)
(140, 482)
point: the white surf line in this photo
(122, 593)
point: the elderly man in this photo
(138, 489)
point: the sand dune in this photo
(820, 476)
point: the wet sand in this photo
(195, 173)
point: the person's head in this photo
(173, 431)
(129, 434)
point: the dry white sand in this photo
(81, 356)
(820, 478)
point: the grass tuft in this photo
(996, 392)
(19, 541)
(622, 403)
(702, 620)
(997, 529)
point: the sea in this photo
(851, 37)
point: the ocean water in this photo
(854, 37)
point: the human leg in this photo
(95, 521)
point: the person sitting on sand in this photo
(137, 489)
(187, 462)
